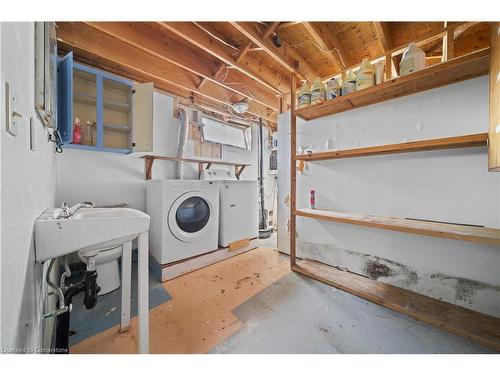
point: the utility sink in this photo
(88, 231)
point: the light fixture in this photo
(240, 107)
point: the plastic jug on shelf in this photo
(413, 60)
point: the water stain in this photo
(375, 269)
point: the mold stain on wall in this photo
(464, 292)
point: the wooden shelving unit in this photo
(455, 70)
(470, 233)
(470, 324)
(203, 163)
(472, 140)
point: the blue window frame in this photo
(65, 86)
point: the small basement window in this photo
(226, 134)
(46, 72)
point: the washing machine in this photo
(238, 206)
(184, 218)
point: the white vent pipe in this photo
(183, 134)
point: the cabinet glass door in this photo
(116, 114)
(85, 105)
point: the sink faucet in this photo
(67, 212)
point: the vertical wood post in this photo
(388, 67)
(293, 169)
(494, 134)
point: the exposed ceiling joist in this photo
(140, 35)
(320, 38)
(384, 35)
(283, 25)
(81, 36)
(246, 49)
(251, 67)
(288, 58)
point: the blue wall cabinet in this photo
(115, 114)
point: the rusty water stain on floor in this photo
(199, 316)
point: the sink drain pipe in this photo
(89, 286)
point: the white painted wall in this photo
(110, 178)
(450, 185)
(28, 187)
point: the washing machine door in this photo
(190, 215)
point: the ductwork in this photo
(183, 134)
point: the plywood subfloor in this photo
(199, 316)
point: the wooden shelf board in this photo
(472, 140)
(194, 160)
(473, 325)
(149, 160)
(454, 70)
(488, 236)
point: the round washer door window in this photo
(192, 214)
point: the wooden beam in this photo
(472, 140)
(252, 67)
(469, 233)
(244, 51)
(384, 35)
(77, 35)
(319, 36)
(294, 64)
(293, 171)
(494, 135)
(144, 37)
(284, 25)
(270, 30)
(475, 326)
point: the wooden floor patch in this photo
(475, 326)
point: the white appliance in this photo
(238, 206)
(238, 211)
(184, 218)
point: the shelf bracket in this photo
(148, 164)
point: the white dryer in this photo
(238, 208)
(184, 218)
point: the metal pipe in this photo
(54, 286)
(263, 224)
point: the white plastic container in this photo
(365, 76)
(348, 82)
(379, 72)
(304, 96)
(332, 89)
(318, 92)
(413, 60)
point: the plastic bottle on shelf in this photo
(312, 200)
(77, 132)
(318, 92)
(365, 76)
(332, 89)
(304, 96)
(413, 60)
(348, 82)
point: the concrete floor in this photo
(253, 303)
(299, 315)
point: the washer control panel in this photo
(217, 175)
